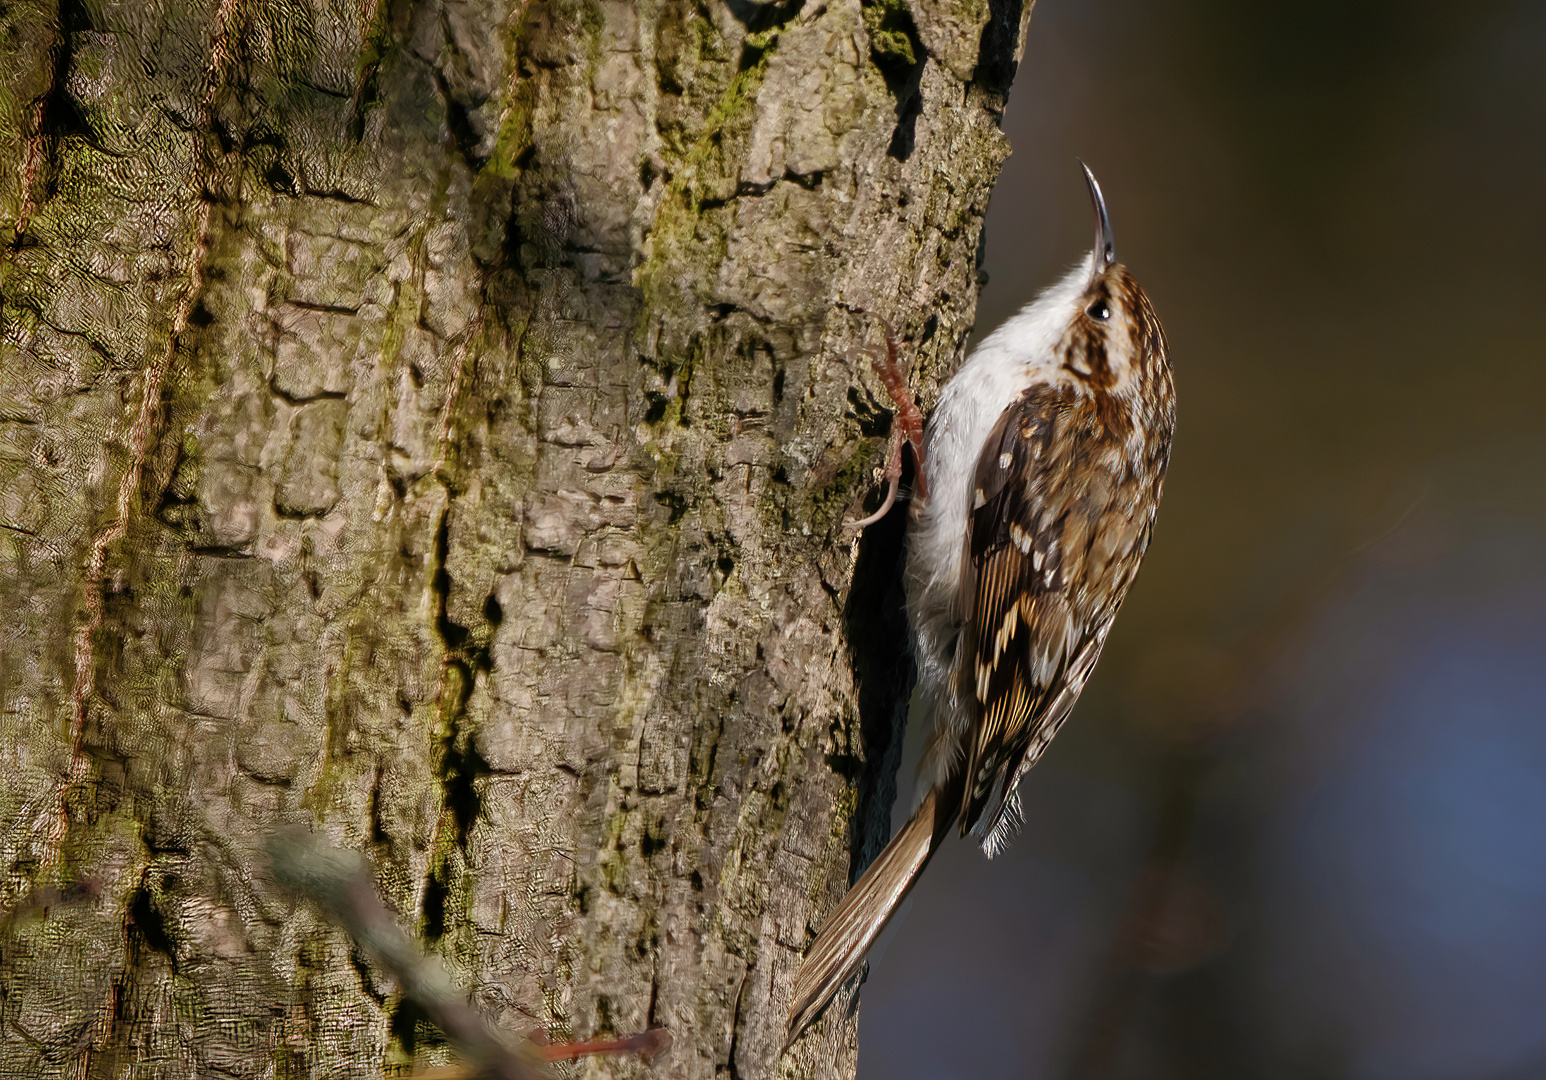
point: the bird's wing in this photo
(1048, 502)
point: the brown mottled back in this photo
(1064, 499)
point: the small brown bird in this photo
(1045, 459)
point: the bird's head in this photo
(1112, 340)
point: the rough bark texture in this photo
(434, 423)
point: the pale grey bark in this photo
(434, 423)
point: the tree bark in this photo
(434, 424)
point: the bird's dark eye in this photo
(1098, 310)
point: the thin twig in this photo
(339, 882)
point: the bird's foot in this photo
(908, 427)
(893, 476)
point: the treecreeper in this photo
(1044, 463)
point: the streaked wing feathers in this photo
(1045, 488)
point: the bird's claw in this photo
(909, 421)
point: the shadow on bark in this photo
(880, 652)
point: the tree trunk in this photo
(435, 424)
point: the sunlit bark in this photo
(435, 424)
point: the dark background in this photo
(1297, 826)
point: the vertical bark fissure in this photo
(36, 138)
(142, 433)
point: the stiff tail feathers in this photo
(848, 933)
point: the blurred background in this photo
(1297, 826)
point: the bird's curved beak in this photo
(1105, 247)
